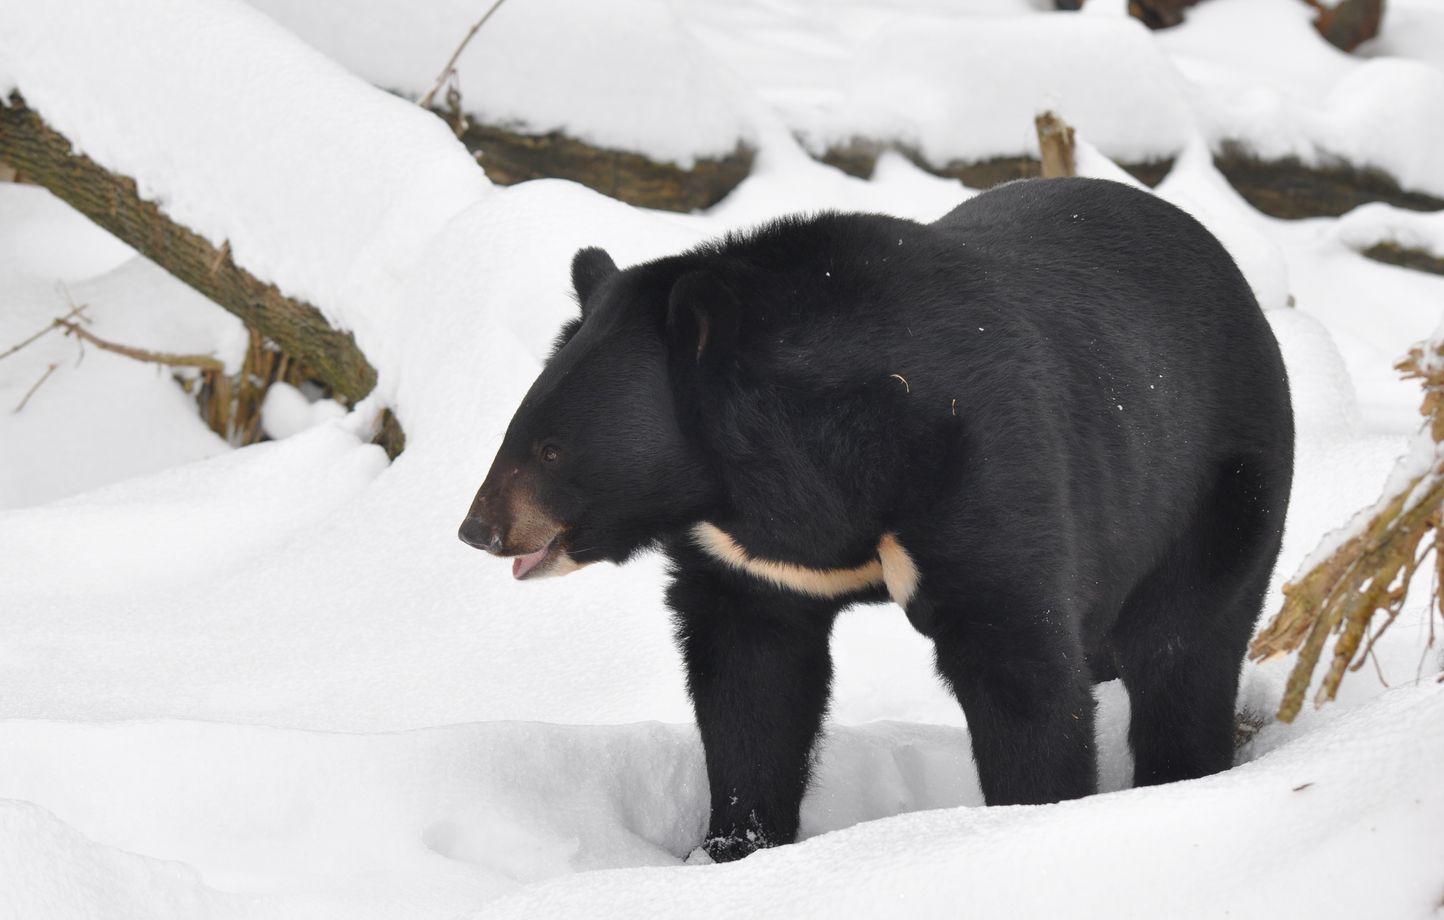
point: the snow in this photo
(201, 158)
(270, 682)
(918, 82)
(623, 74)
(1070, 859)
(1374, 223)
(286, 411)
(52, 259)
(953, 84)
(1413, 32)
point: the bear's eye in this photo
(550, 454)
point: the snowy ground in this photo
(271, 683)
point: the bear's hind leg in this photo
(759, 671)
(1181, 636)
(1028, 698)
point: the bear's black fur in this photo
(1054, 424)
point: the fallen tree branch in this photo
(75, 311)
(113, 202)
(202, 362)
(1371, 571)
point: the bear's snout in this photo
(479, 532)
(507, 520)
(486, 524)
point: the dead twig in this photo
(203, 362)
(455, 114)
(75, 311)
(450, 68)
(31, 392)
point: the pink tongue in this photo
(523, 564)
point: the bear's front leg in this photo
(759, 671)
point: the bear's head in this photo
(602, 457)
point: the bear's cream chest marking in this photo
(893, 567)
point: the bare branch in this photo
(31, 392)
(203, 362)
(74, 312)
(450, 67)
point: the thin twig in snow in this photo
(450, 67)
(74, 313)
(31, 392)
(204, 362)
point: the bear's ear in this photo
(702, 316)
(590, 267)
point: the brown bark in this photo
(510, 157)
(1347, 24)
(200, 362)
(1055, 140)
(1159, 14)
(31, 146)
(1417, 259)
(1292, 189)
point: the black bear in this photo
(1053, 426)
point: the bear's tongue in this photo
(521, 565)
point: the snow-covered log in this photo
(510, 156)
(1400, 237)
(298, 204)
(46, 157)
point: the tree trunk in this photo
(44, 156)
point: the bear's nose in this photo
(481, 534)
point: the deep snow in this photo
(271, 683)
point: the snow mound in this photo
(623, 74)
(372, 202)
(51, 261)
(438, 819)
(1376, 223)
(1357, 803)
(286, 411)
(967, 89)
(53, 871)
(1262, 76)
(160, 529)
